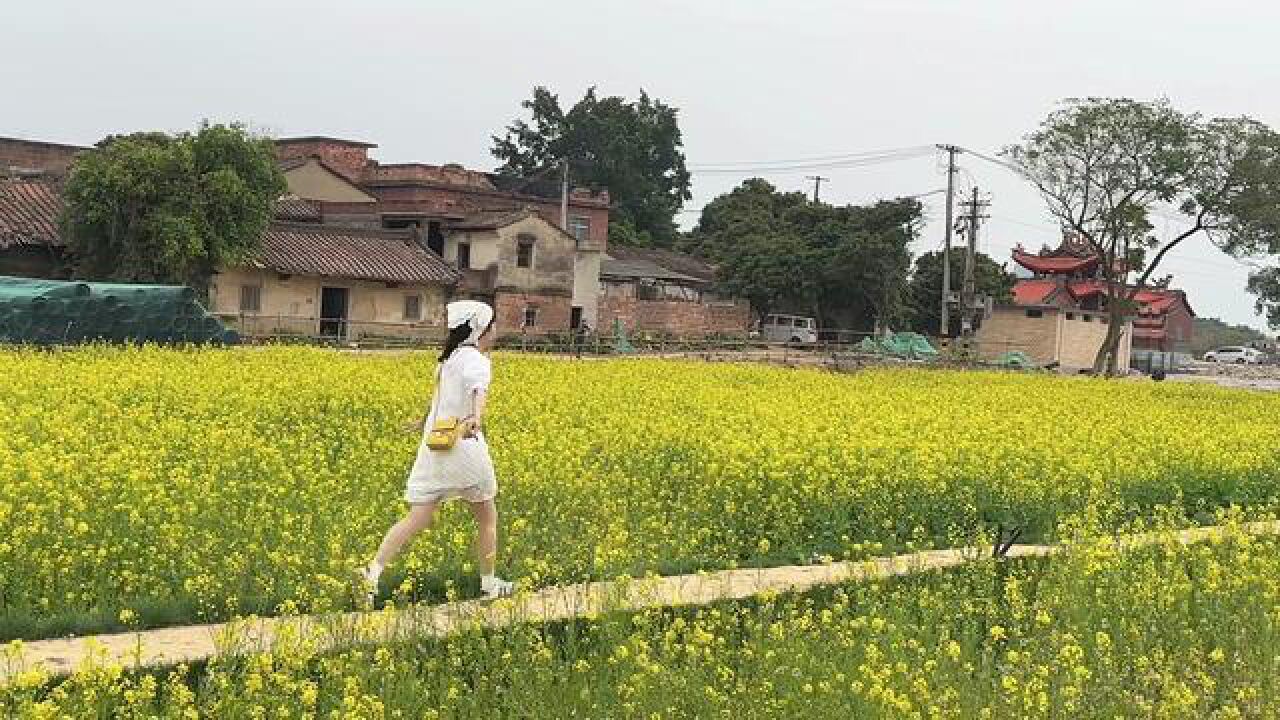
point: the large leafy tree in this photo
(844, 264)
(633, 149)
(1104, 166)
(154, 207)
(924, 293)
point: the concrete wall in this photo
(313, 182)
(586, 286)
(292, 305)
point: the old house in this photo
(1069, 277)
(665, 291)
(450, 207)
(311, 279)
(30, 244)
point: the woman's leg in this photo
(418, 519)
(486, 548)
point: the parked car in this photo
(789, 329)
(1234, 354)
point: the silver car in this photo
(1234, 354)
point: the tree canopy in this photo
(924, 293)
(1105, 166)
(154, 207)
(847, 265)
(632, 149)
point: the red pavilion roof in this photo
(1054, 265)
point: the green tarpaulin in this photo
(903, 344)
(53, 312)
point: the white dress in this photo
(465, 470)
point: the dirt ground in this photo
(1248, 377)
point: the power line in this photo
(833, 165)
(812, 159)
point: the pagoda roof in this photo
(1054, 264)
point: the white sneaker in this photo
(496, 587)
(369, 584)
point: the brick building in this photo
(449, 206)
(1069, 277)
(1049, 334)
(30, 244)
(35, 157)
(664, 291)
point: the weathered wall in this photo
(675, 317)
(553, 313)
(586, 286)
(313, 182)
(552, 270)
(347, 159)
(1009, 329)
(1082, 336)
(293, 305)
(47, 157)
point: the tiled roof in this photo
(1033, 292)
(324, 139)
(491, 219)
(310, 249)
(654, 264)
(669, 260)
(292, 207)
(1054, 264)
(29, 211)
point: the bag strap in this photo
(435, 395)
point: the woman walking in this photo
(464, 469)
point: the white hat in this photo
(478, 314)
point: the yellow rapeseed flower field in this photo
(151, 486)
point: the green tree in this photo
(842, 264)
(154, 207)
(632, 149)
(924, 293)
(1104, 166)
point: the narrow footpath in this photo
(317, 633)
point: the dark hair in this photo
(457, 336)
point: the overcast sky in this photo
(754, 81)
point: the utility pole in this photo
(945, 326)
(564, 194)
(817, 183)
(968, 291)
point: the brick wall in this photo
(671, 316)
(32, 155)
(553, 313)
(1008, 329)
(348, 160)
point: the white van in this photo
(789, 329)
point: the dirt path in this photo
(318, 633)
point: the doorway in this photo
(334, 302)
(575, 318)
